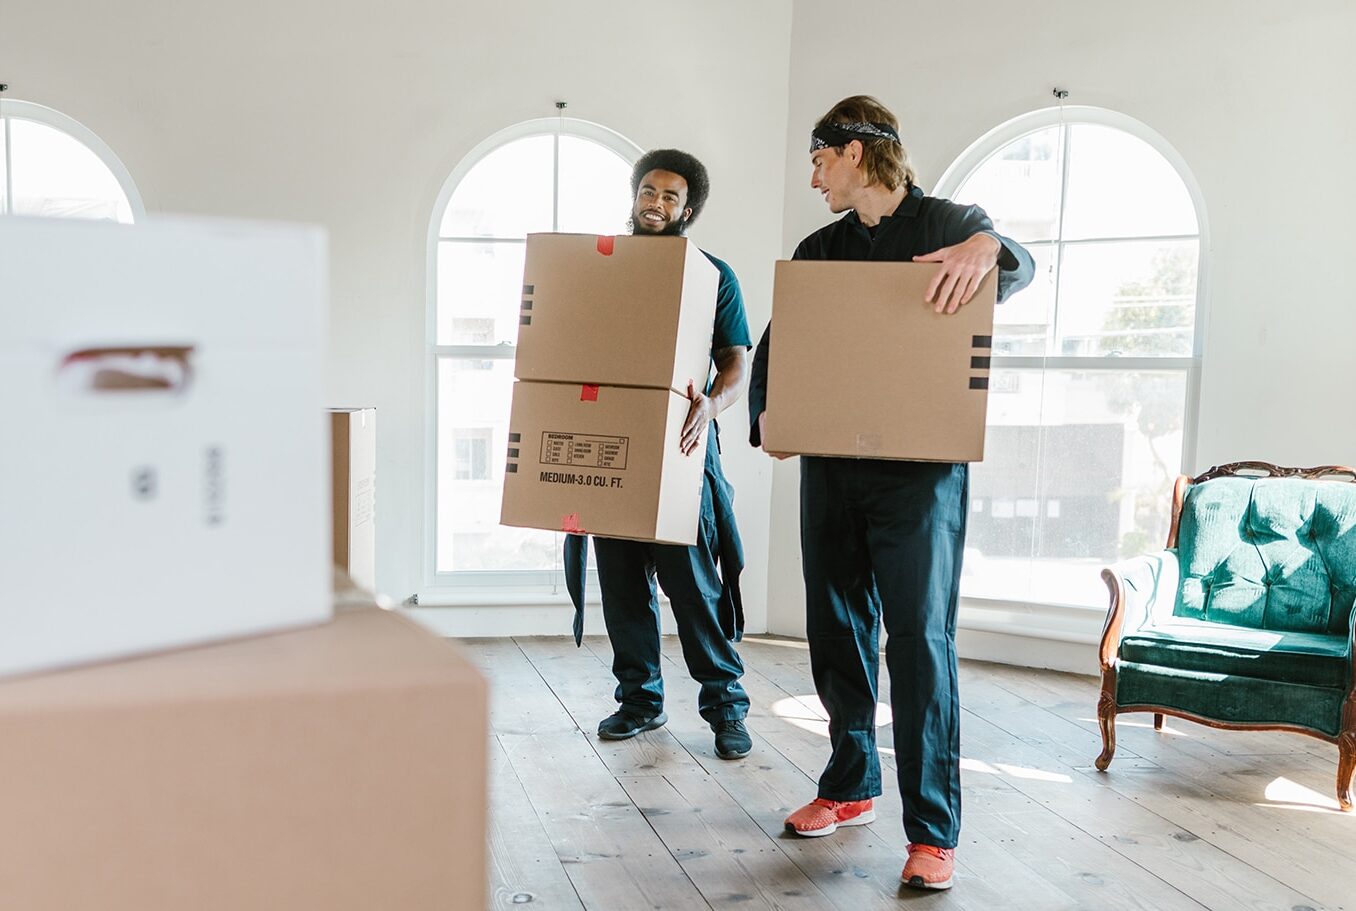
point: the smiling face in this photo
(837, 176)
(661, 204)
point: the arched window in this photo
(1094, 384)
(51, 165)
(543, 175)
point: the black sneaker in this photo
(621, 725)
(732, 739)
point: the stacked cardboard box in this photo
(164, 483)
(353, 464)
(337, 767)
(169, 488)
(610, 333)
(862, 367)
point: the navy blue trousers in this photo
(882, 543)
(690, 578)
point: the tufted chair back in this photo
(1270, 553)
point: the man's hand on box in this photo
(964, 266)
(701, 413)
(762, 436)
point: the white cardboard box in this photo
(164, 468)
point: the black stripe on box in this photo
(529, 289)
(511, 467)
(980, 363)
(515, 437)
(979, 382)
(981, 341)
(524, 320)
(527, 304)
(513, 452)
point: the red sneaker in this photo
(929, 867)
(823, 817)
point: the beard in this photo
(668, 229)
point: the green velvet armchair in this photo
(1245, 621)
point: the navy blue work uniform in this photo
(701, 582)
(882, 543)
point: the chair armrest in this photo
(1348, 722)
(1351, 646)
(1142, 588)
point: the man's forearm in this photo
(728, 386)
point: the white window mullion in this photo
(1052, 343)
(1129, 239)
(500, 352)
(9, 171)
(555, 181)
(1064, 145)
(1134, 364)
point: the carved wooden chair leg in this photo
(1346, 767)
(1106, 720)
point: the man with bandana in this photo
(668, 189)
(882, 540)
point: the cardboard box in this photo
(164, 470)
(862, 367)
(353, 462)
(616, 311)
(602, 460)
(337, 767)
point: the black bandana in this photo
(840, 134)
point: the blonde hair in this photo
(884, 161)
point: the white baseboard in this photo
(1025, 635)
(1052, 636)
(464, 622)
(1024, 651)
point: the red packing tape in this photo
(605, 245)
(588, 393)
(570, 523)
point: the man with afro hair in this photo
(669, 189)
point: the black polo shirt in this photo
(920, 225)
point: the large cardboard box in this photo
(337, 767)
(164, 476)
(602, 460)
(861, 367)
(616, 311)
(353, 476)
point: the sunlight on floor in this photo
(1122, 723)
(799, 644)
(1013, 771)
(807, 713)
(1285, 794)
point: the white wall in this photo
(1253, 95)
(351, 114)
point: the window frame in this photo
(11, 108)
(995, 140)
(485, 586)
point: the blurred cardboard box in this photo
(164, 472)
(337, 767)
(862, 367)
(353, 462)
(616, 311)
(602, 460)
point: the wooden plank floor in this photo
(1190, 818)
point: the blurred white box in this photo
(164, 465)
